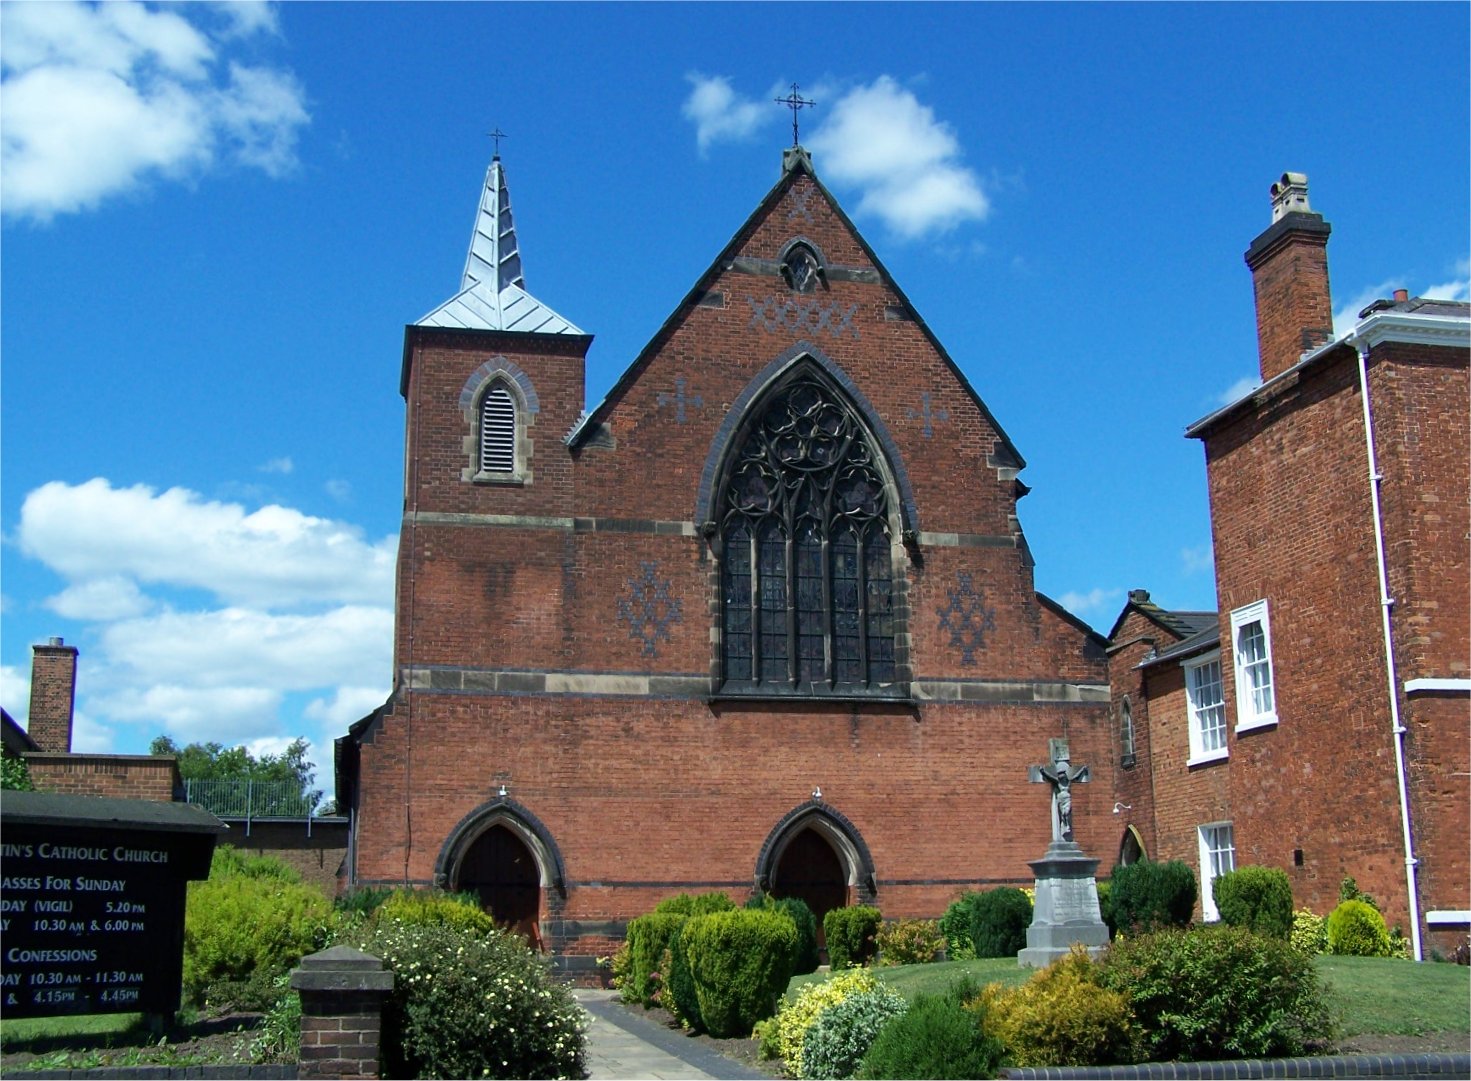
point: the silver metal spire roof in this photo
(493, 292)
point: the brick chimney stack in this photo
(53, 693)
(1289, 273)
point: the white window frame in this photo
(1254, 709)
(1198, 710)
(1216, 858)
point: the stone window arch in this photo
(499, 405)
(807, 523)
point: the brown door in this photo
(501, 870)
(811, 870)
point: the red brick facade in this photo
(559, 649)
(53, 693)
(119, 776)
(1317, 792)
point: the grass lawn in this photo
(1370, 995)
(100, 1026)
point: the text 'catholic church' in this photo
(764, 617)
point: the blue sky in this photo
(217, 220)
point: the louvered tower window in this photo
(806, 570)
(498, 431)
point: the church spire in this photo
(492, 292)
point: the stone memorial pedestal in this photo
(1066, 909)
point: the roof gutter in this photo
(1362, 340)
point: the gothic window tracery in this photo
(807, 567)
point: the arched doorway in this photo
(808, 868)
(501, 870)
(1131, 848)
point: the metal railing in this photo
(252, 800)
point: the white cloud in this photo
(15, 692)
(347, 705)
(107, 598)
(1238, 390)
(89, 736)
(98, 99)
(231, 715)
(340, 490)
(278, 465)
(1347, 314)
(1095, 600)
(1197, 559)
(883, 141)
(1458, 288)
(719, 114)
(272, 557)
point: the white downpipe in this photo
(1385, 604)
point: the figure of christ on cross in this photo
(1061, 774)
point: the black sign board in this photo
(92, 906)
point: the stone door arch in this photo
(502, 853)
(818, 855)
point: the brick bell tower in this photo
(1289, 274)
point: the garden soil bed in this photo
(220, 1040)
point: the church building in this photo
(761, 619)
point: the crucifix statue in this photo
(1060, 773)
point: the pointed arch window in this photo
(807, 578)
(498, 431)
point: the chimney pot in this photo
(1289, 273)
(55, 640)
(1401, 295)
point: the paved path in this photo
(622, 1045)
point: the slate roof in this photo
(1207, 638)
(104, 812)
(1180, 624)
(493, 292)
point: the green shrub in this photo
(278, 1039)
(937, 1037)
(694, 904)
(15, 775)
(420, 907)
(241, 933)
(851, 935)
(1348, 890)
(1148, 896)
(999, 920)
(362, 902)
(1217, 992)
(1103, 909)
(843, 1033)
(1356, 928)
(1309, 932)
(678, 993)
(471, 1004)
(955, 926)
(648, 938)
(808, 957)
(783, 1035)
(1257, 898)
(1062, 1016)
(741, 962)
(909, 942)
(229, 860)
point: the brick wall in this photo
(121, 776)
(53, 691)
(317, 857)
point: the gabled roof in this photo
(1179, 624)
(1207, 638)
(493, 292)
(795, 162)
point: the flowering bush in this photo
(473, 1004)
(909, 942)
(842, 1034)
(782, 1036)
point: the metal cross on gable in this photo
(497, 135)
(794, 101)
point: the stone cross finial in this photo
(1061, 774)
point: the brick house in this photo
(764, 617)
(1319, 722)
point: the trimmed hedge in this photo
(648, 938)
(808, 957)
(999, 921)
(937, 1037)
(1356, 928)
(694, 904)
(955, 926)
(741, 962)
(1148, 896)
(1257, 898)
(851, 935)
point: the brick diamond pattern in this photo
(648, 609)
(787, 313)
(967, 619)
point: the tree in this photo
(290, 773)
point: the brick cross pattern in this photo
(800, 209)
(648, 609)
(785, 313)
(679, 400)
(967, 619)
(930, 415)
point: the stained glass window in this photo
(807, 564)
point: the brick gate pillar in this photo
(342, 992)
